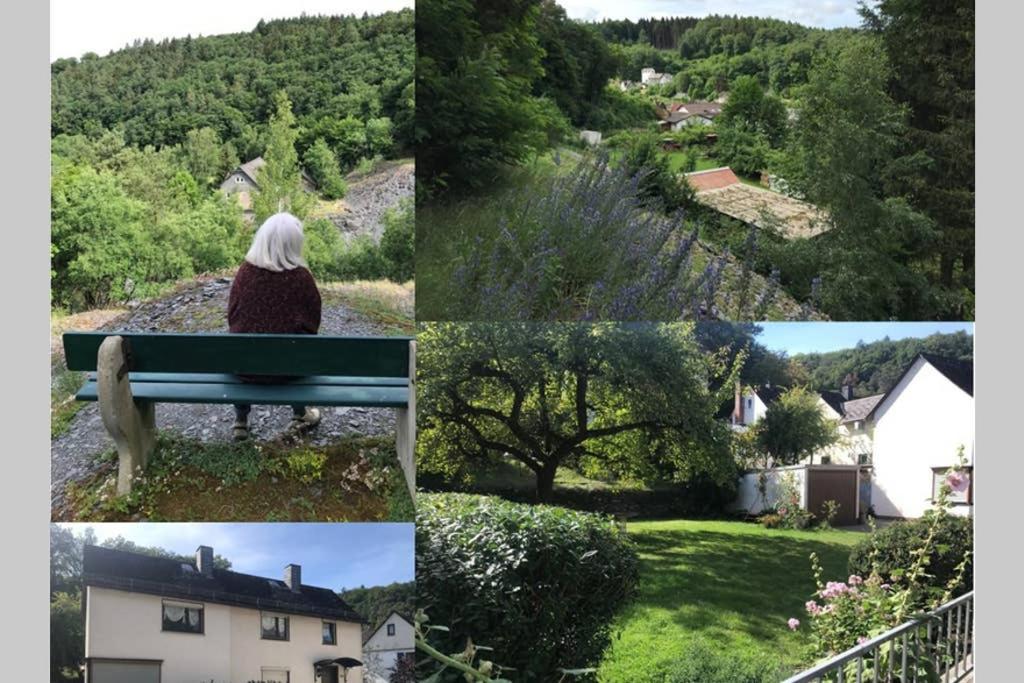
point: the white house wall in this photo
(120, 624)
(749, 498)
(380, 652)
(920, 425)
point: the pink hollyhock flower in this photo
(862, 640)
(783, 511)
(855, 580)
(794, 624)
(958, 481)
(813, 608)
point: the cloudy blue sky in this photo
(820, 13)
(332, 555)
(796, 337)
(80, 26)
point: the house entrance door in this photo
(329, 674)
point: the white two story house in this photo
(392, 641)
(158, 620)
(896, 447)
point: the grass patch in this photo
(387, 303)
(733, 584)
(355, 480)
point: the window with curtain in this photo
(182, 618)
(274, 627)
(330, 633)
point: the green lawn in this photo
(730, 585)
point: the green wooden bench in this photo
(130, 372)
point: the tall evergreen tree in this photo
(280, 179)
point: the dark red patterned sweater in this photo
(268, 302)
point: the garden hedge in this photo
(538, 584)
(896, 542)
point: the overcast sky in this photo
(331, 555)
(796, 337)
(80, 26)
(821, 13)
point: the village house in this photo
(388, 644)
(152, 620)
(242, 181)
(893, 450)
(649, 76)
(680, 115)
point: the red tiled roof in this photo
(711, 179)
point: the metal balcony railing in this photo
(938, 646)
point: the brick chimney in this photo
(204, 560)
(293, 577)
(847, 389)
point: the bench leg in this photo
(131, 424)
(405, 439)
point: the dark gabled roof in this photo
(120, 570)
(834, 400)
(769, 394)
(959, 372)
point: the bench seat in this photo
(167, 390)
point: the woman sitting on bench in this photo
(274, 293)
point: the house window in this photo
(182, 618)
(391, 629)
(274, 627)
(826, 460)
(964, 497)
(330, 633)
(238, 179)
(863, 458)
(274, 675)
(750, 403)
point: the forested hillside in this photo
(877, 365)
(376, 602)
(143, 137)
(332, 68)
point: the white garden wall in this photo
(749, 498)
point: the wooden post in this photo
(405, 438)
(130, 423)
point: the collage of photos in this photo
(685, 395)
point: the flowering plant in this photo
(845, 614)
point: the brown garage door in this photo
(837, 485)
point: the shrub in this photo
(892, 548)
(585, 245)
(398, 243)
(770, 521)
(538, 584)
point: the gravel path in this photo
(200, 307)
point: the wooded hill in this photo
(331, 68)
(376, 602)
(878, 365)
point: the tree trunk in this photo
(546, 482)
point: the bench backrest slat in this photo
(252, 354)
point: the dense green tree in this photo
(794, 427)
(280, 178)
(67, 637)
(750, 108)
(642, 155)
(375, 603)
(398, 243)
(475, 69)
(322, 165)
(631, 398)
(930, 46)
(204, 156)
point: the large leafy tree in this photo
(794, 428)
(930, 46)
(475, 69)
(630, 399)
(280, 178)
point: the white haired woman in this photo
(274, 293)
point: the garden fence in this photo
(938, 646)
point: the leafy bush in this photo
(398, 243)
(706, 662)
(893, 547)
(642, 157)
(538, 584)
(583, 244)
